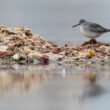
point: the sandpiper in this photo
(91, 30)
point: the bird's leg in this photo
(93, 41)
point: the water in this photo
(53, 19)
(25, 87)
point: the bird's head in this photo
(80, 22)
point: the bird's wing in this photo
(97, 28)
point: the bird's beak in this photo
(76, 25)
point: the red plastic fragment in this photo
(6, 54)
(47, 46)
(56, 50)
(44, 60)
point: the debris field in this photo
(20, 45)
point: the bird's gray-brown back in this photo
(93, 27)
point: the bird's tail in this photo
(107, 30)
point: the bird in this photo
(91, 30)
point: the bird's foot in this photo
(93, 41)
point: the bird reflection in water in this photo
(92, 89)
(91, 78)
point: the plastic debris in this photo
(44, 60)
(91, 53)
(32, 54)
(24, 47)
(3, 48)
(16, 57)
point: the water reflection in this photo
(21, 80)
(91, 91)
(55, 88)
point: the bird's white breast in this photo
(88, 33)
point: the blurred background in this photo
(53, 19)
(25, 87)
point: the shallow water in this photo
(54, 88)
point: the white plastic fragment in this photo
(3, 48)
(16, 57)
